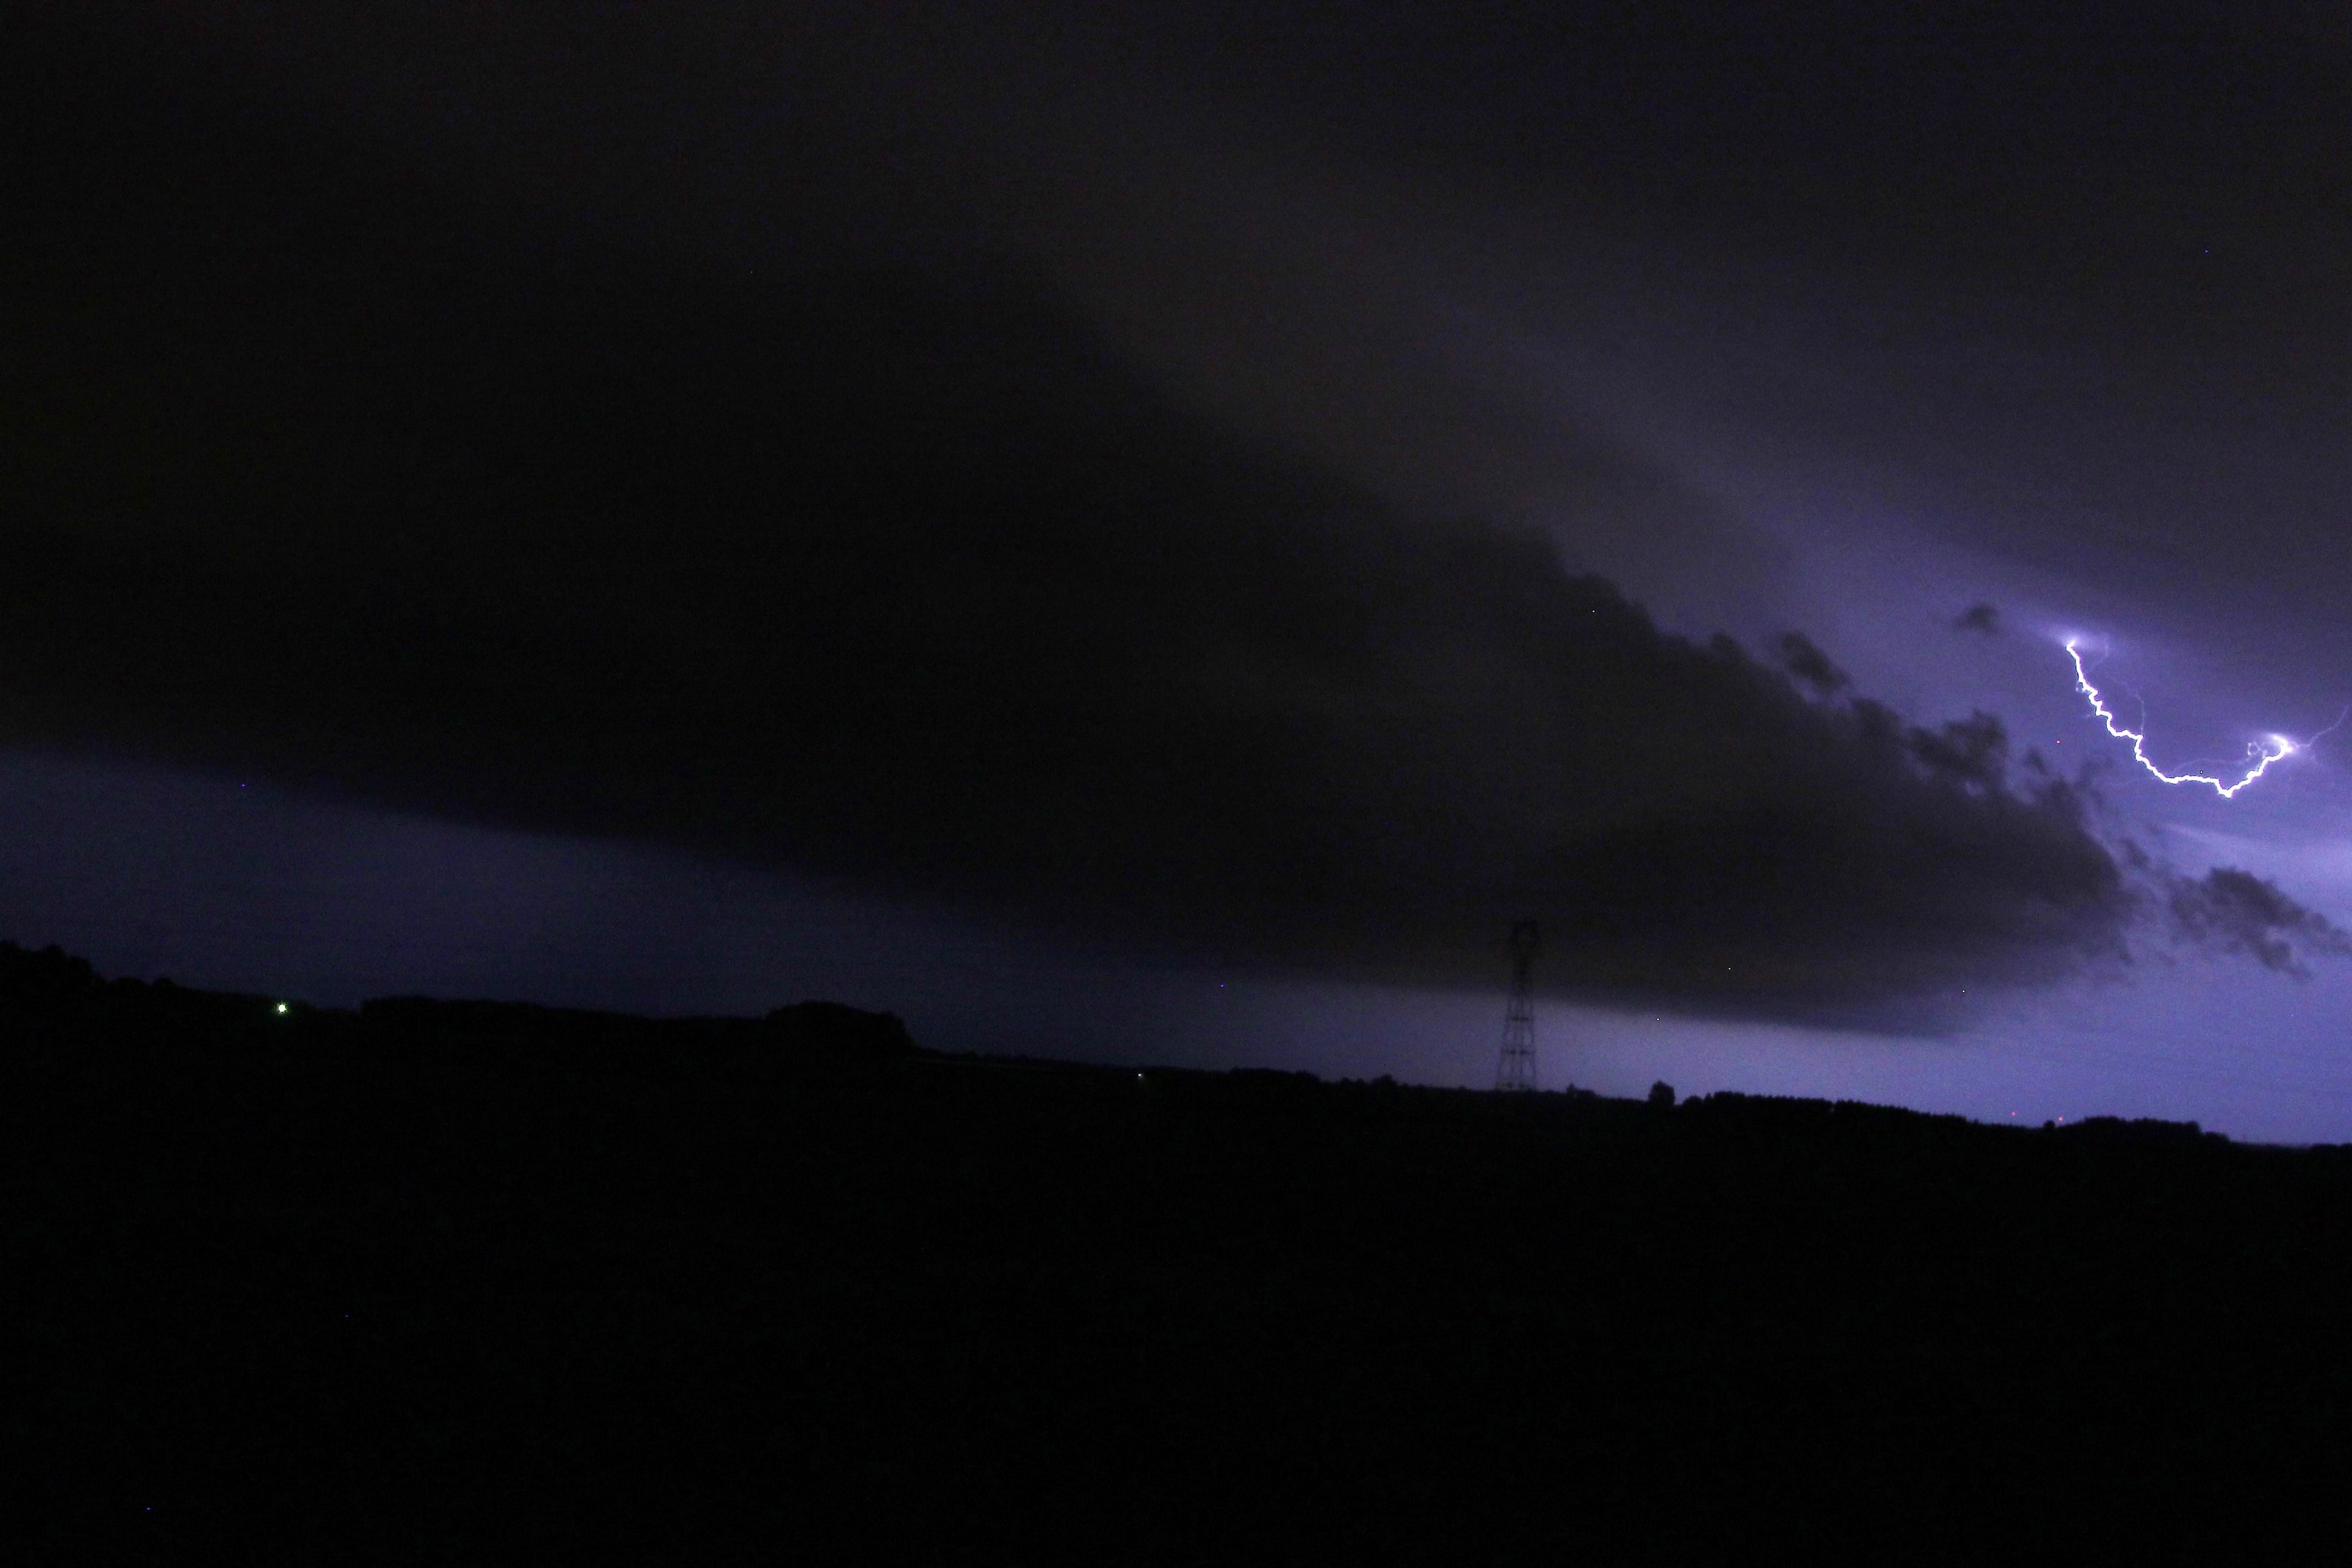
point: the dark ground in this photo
(463, 1282)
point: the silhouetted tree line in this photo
(48, 978)
(2140, 1129)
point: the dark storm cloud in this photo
(1973, 751)
(1984, 620)
(1815, 669)
(2235, 913)
(881, 558)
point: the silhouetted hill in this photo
(474, 1281)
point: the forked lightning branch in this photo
(2260, 755)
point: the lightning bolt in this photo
(2260, 755)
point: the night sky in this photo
(1154, 533)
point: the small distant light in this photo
(281, 1006)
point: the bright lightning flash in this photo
(2259, 755)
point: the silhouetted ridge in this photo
(53, 984)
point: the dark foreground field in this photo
(449, 1283)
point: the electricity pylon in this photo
(1517, 1070)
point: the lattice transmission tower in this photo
(1517, 1069)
